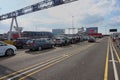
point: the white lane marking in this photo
(33, 69)
(114, 61)
(65, 55)
(114, 65)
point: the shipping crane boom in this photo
(35, 7)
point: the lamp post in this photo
(0, 10)
(73, 25)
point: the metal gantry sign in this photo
(32, 8)
(112, 30)
(35, 7)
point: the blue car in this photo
(39, 44)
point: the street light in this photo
(73, 25)
(0, 9)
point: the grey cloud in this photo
(4, 27)
(114, 24)
(92, 19)
(114, 21)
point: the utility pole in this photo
(68, 30)
(105, 30)
(0, 10)
(73, 25)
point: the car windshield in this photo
(29, 41)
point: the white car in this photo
(7, 49)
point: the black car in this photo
(91, 39)
(20, 42)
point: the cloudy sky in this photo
(104, 14)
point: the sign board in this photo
(113, 30)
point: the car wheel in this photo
(52, 46)
(9, 52)
(39, 48)
(31, 49)
(61, 44)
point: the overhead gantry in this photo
(45, 4)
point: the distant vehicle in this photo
(62, 41)
(85, 38)
(57, 2)
(91, 39)
(70, 40)
(75, 38)
(115, 36)
(20, 42)
(7, 49)
(59, 41)
(39, 44)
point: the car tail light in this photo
(32, 44)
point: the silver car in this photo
(7, 49)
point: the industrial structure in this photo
(45, 4)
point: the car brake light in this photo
(33, 43)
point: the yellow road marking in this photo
(27, 68)
(47, 66)
(116, 53)
(106, 64)
(22, 70)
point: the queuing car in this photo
(20, 42)
(69, 40)
(91, 39)
(61, 41)
(85, 38)
(39, 44)
(7, 49)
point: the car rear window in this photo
(29, 41)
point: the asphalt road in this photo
(82, 61)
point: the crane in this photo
(45, 4)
